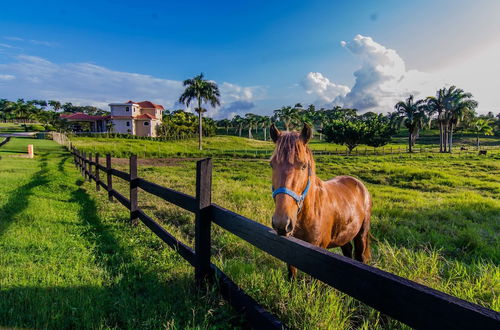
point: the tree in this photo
(6, 109)
(238, 122)
(251, 121)
(56, 105)
(413, 115)
(436, 105)
(265, 122)
(225, 123)
(350, 133)
(481, 126)
(287, 115)
(459, 105)
(203, 91)
(318, 120)
(379, 130)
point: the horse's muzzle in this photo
(283, 230)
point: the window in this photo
(127, 109)
(128, 123)
(146, 123)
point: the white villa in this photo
(136, 118)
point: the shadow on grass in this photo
(61, 164)
(133, 295)
(18, 200)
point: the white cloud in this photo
(90, 84)
(6, 77)
(380, 82)
(43, 43)
(319, 85)
(236, 99)
(13, 38)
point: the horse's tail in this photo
(373, 237)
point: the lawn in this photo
(10, 128)
(70, 260)
(226, 145)
(436, 220)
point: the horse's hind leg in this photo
(362, 251)
(347, 250)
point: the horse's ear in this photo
(275, 133)
(306, 133)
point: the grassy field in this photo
(10, 128)
(70, 260)
(225, 145)
(436, 220)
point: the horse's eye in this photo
(304, 166)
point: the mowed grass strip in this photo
(70, 259)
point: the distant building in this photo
(96, 123)
(136, 118)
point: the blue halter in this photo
(298, 199)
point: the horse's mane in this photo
(290, 149)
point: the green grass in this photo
(70, 260)
(226, 145)
(436, 220)
(11, 128)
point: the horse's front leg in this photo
(292, 272)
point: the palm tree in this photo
(481, 126)
(56, 105)
(6, 108)
(251, 120)
(459, 105)
(319, 120)
(203, 91)
(436, 105)
(414, 117)
(238, 123)
(265, 122)
(287, 115)
(225, 123)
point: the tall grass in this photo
(435, 221)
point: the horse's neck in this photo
(312, 200)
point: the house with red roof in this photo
(94, 123)
(136, 118)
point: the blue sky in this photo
(263, 54)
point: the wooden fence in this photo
(7, 139)
(409, 302)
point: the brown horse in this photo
(324, 213)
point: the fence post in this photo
(133, 189)
(80, 165)
(109, 177)
(97, 185)
(90, 167)
(203, 222)
(84, 166)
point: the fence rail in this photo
(409, 302)
(7, 139)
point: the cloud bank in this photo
(89, 84)
(380, 82)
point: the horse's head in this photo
(292, 165)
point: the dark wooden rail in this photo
(7, 139)
(411, 303)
